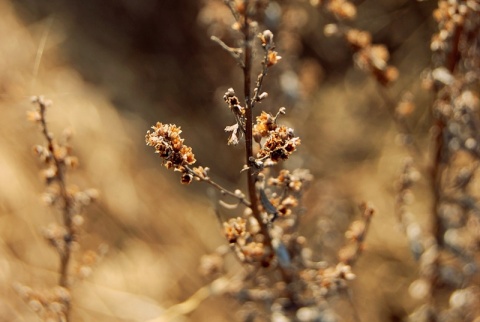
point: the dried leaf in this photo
(234, 136)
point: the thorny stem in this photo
(67, 203)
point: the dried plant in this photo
(447, 252)
(63, 236)
(280, 278)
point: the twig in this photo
(223, 191)
(68, 203)
(252, 173)
(235, 52)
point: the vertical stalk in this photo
(252, 174)
(65, 254)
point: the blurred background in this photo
(114, 68)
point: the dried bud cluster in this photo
(50, 305)
(238, 111)
(268, 45)
(166, 140)
(368, 57)
(279, 141)
(233, 102)
(335, 277)
(55, 155)
(342, 9)
(84, 266)
(371, 58)
(245, 241)
(451, 15)
(355, 236)
(293, 181)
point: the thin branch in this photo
(261, 76)
(231, 5)
(67, 207)
(223, 191)
(236, 53)
(252, 173)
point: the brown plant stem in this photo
(252, 173)
(67, 206)
(438, 165)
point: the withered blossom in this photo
(266, 38)
(265, 124)
(279, 145)
(254, 252)
(291, 180)
(234, 228)
(236, 130)
(343, 9)
(273, 58)
(166, 140)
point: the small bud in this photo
(442, 75)
(267, 38)
(262, 96)
(331, 29)
(273, 58)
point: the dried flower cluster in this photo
(451, 15)
(279, 141)
(54, 305)
(369, 57)
(50, 305)
(246, 242)
(342, 9)
(355, 236)
(305, 289)
(271, 56)
(166, 140)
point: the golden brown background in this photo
(113, 68)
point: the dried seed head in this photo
(279, 144)
(166, 140)
(234, 228)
